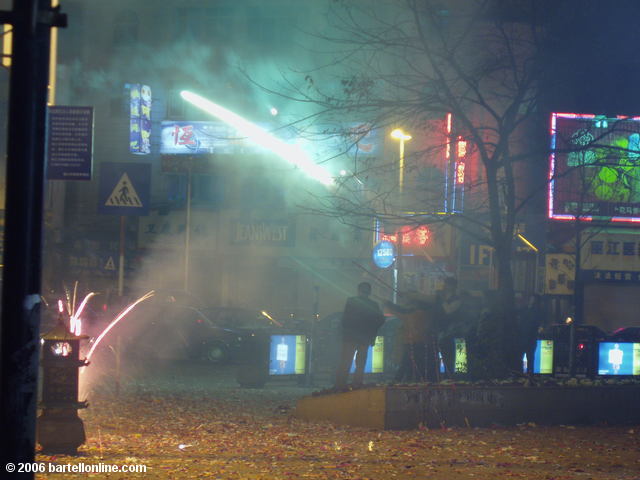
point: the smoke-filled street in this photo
(193, 421)
(225, 224)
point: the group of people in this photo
(428, 332)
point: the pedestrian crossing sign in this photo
(124, 194)
(124, 188)
(110, 265)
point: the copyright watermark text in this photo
(45, 467)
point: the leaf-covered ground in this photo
(186, 422)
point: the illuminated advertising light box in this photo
(434, 240)
(288, 355)
(594, 168)
(618, 358)
(375, 358)
(460, 356)
(195, 138)
(543, 357)
(139, 119)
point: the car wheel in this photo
(216, 352)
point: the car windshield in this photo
(239, 318)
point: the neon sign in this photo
(460, 172)
(412, 236)
(594, 168)
(433, 240)
(462, 147)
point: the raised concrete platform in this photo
(401, 408)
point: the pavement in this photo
(186, 420)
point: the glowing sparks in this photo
(291, 153)
(61, 349)
(75, 322)
(271, 318)
(120, 316)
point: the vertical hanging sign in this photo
(140, 119)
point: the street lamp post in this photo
(398, 134)
(402, 137)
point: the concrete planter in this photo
(397, 408)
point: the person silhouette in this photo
(361, 320)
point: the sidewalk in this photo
(185, 423)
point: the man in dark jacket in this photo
(361, 320)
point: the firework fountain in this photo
(84, 378)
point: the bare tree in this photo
(411, 63)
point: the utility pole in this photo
(20, 341)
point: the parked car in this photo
(241, 318)
(172, 331)
(626, 334)
(167, 327)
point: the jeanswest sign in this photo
(277, 233)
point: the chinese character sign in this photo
(69, 143)
(608, 250)
(594, 167)
(560, 272)
(196, 138)
(139, 119)
(428, 240)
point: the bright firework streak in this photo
(291, 153)
(120, 316)
(75, 321)
(271, 318)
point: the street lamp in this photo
(398, 134)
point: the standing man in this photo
(361, 320)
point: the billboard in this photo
(432, 240)
(287, 355)
(618, 358)
(607, 250)
(198, 138)
(543, 357)
(594, 168)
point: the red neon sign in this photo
(460, 172)
(412, 236)
(462, 147)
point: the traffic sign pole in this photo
(121, 259)
(187, 234)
